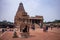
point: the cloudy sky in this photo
(49, 9)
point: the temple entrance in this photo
(24, 29)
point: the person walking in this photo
(44, 28)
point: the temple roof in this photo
(21, 8)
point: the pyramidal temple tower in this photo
(21, 15)
(22, 18)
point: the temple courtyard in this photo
(36, 34)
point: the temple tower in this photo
(21, 15)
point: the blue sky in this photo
(49, 9)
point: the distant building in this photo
(54, 24)
(22, 16)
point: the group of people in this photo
(45, 27)
(33, 27)
(25, 31)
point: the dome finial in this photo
(21, 3)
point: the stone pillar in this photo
(34, 20)
(41, 23)
(31, 21)
(28, 21)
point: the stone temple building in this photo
(22, 18)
